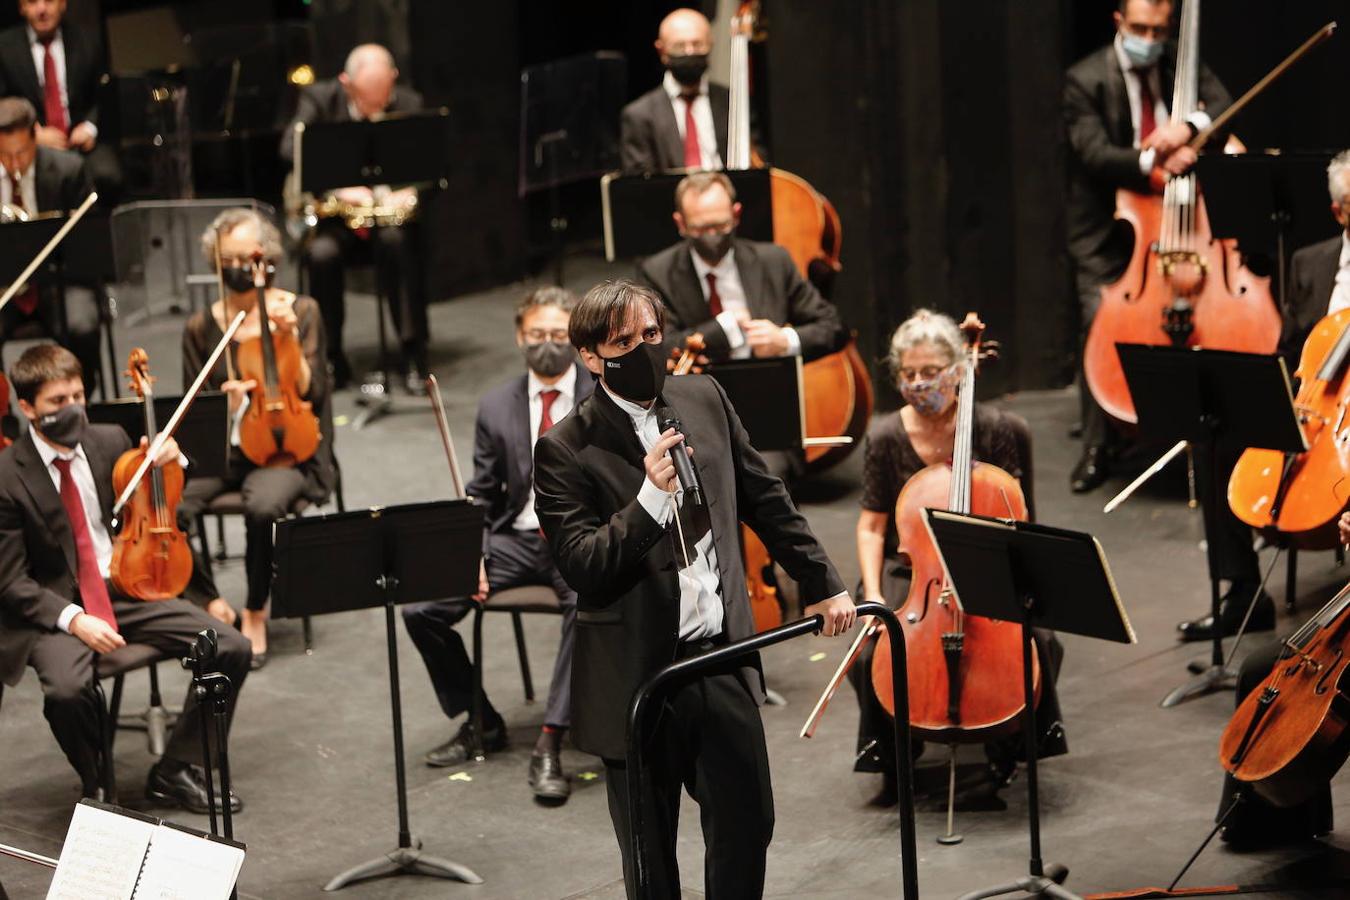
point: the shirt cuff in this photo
(794, 341)
(732, 329)
(1146, 158)
(655, 501)
(67, 616)
(1200, 119)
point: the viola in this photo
(1182, 285)
(1303, 494)
(151, 559)
(278, 428)
(1289, 735)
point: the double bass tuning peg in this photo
(989, 350)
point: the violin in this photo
(278, 428)
(151, 559)
(1303, 494)
(1289, 735)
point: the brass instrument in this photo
(360, 215)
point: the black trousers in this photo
(65, 667)
(398, 263)
(82, 321)
(1255, 820)
(268, 494)
(709, 741)
(514, 559)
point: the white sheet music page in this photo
(183, 866)
(101, 858)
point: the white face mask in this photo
(1143, 53)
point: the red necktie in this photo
(714, 300)
(1147, 120)
(93, 592)
(546, 415)
(26, 300)
(55, 113)
(693, 159)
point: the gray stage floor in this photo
(312, 753)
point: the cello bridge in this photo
(1169, 260)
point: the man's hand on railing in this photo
(838, 611)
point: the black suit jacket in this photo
(649, 137)
(326, 101)
(588, 470)
(503, 458)
(37, 546)
(84, 68)
(1312, 277)
(774, 290)
(1101, 156)
(62, 180)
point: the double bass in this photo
(1182, 285)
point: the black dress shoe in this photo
(1090, 472)
(547, 778)
(257, 661)
(173, 783)
(1231, 610)
(459, 749)
(415, 382)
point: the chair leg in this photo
(204, 544)
(309, 636)
(1291, 579)
(107, 726)
(223, 553)
(525, 676)
(476, 712)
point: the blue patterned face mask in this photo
(932, 396)
(1141, 51)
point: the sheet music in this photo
(101, 858)
(183, 866)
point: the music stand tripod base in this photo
(405, 859)
(1047, 885)
(1213, 678)
(376, 401)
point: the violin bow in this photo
(47, 250)
(167, 431)
(443, 425)
(866, 628)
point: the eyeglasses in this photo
(927, 373)
(539, 335)
(710, 228)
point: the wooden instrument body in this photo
(4, 405)
(1232, 309)
(278, 428)
(1316, 489)
(151, 559)
(1303, 738)
(838, 400)
(990, 671)
(764, 608)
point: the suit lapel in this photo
(523, 449)
(29, 85)
(753, 276)
(721, 114)
(686, 291)
(101, 466)
(1118, 100)
(38, 483)
(626, 439)
(668, 130)
(1325, 274)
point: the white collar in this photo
(1345, 250)
(675, 90)
(567, 384)
(636, 412)
(33, 36)
(725, 266)
(49, 453)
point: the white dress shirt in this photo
(27, 189)
(1340, 292)
(731, 293)
(701, 611)
(1161, 116)
(39, 51)
(84, 481)
(709, 158)
(528, 520)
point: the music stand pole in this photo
(376, 398)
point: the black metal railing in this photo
(909, 873)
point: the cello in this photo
(1182, 286)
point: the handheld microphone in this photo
(684, 471)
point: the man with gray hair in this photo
(1319, 274)
(367, 89)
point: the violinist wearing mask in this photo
(1319, 274)
(58, 611)
(925, 357)
(269, 493)
(746, 298)
(682, 123)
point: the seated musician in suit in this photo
(511, 417)
(1319, 274)
(57, 609)
(366, 89)
(40, 179)
(682, 123)
(57, 66)
(925, 357)
(746, 298)
(269, 492)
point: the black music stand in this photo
(203, 435)
(637, 210)
(1033, 575)
(1208, 396)
(412, 149)
(381, 557)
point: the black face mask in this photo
(712, 247)
(239, 279)
(548, 358)
(66, 426)
(688, 69)
(637, 375)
